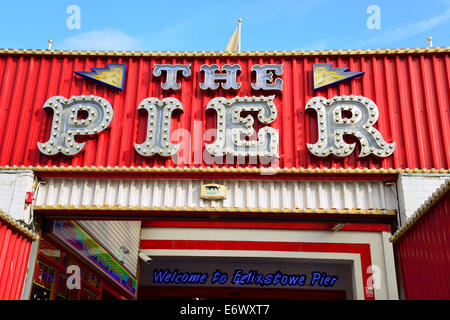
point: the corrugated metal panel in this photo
(411, 91)
(423, 253)
(15, 249)
(244, 194)
(113, 235)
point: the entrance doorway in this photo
(211, 293)
(248, 278)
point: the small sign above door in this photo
(213, 191)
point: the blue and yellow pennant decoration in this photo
(325, 76)
(113, 75)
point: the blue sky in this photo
(208, 25)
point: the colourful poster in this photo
(79, 240)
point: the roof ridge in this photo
(18, 226)
(300, 170)
(422, 210)
(228, 54)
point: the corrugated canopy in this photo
(262, 196)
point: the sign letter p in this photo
(67, 124)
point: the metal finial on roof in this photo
(49, 44)
(430, 41)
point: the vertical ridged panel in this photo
(257, 194)
(14, 254)
(423, 254)
(410, 90)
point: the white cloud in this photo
(317, 45)
(106, 39)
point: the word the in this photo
(227, 78)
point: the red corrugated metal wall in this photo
(424, 256)
(14, 255)
(410, 90)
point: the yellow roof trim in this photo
(247, 170)
(212, 209)
(225, 54)
(16, 225)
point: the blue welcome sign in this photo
(244, 278)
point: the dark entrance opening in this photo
(211, 293)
